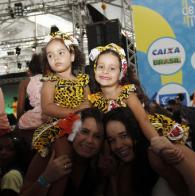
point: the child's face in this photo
(120, 141)
(88, 140)
(107, 70)
(59, 57)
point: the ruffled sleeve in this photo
(126, 91)
(83, 79)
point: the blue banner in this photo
(165, 43)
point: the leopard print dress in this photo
(68, 94)
(165, 126)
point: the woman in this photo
(132, 175)
(85, 130)
(14, 161)
(122, 132)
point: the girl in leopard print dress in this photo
(64, 91)
(110, 68)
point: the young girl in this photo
(63, 92)
(110, 68)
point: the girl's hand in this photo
(158, 143)
(167, 150)
(172, 156)
(57, 167)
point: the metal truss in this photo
(72, 10)
(128, 31)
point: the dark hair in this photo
(36, 64)
(22, 150)
(142, 172)
(126, 117)
(130, 78)
(77, 65)
(93, 113)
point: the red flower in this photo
(66, 124)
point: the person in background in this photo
(85, 135)
(14, 106)
(192, 99)
(14, 160)
(4, 122)
(64, 91)
(30, 90)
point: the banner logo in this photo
(166, 55)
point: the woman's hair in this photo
(142, 172)
(77, 65)
(126, 117)
(36, 64)
(22, 151)
(93, 113)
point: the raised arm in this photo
(39, 183)
(141, 116)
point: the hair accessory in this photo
(70, 126)
(94, 54)
(68, 39)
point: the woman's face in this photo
(120, 141)
(7, 151)
(88, 140)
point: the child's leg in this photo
(169, 173)
(61, 147)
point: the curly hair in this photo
(77, 65)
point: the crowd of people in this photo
(92, 134)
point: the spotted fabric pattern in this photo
(164, 124)
(68, 94)
(161, 123)
(103, 104)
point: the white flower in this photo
(75, 129)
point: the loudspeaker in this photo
(104, 32)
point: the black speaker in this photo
(104, 32)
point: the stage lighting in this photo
(18, 50)
(18, 9)
(11, 12)
(19, 65)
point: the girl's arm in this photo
(50, 108)
(86, 103)
(141, 116)
(21, 97)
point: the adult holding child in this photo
(110, 69)
(64, 91)
(86, 135)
